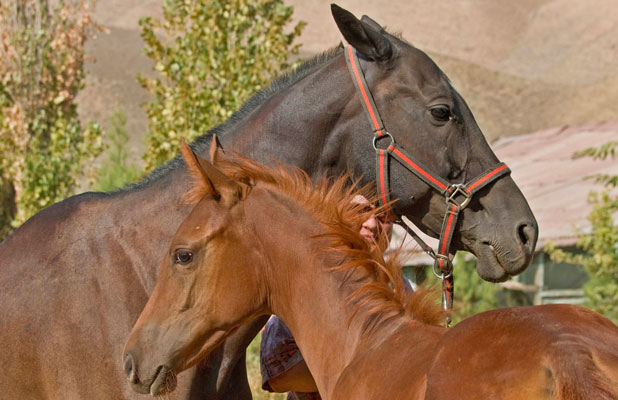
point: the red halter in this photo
(457, 195)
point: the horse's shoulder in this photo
(35, 245)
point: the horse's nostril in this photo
(129, 368)
(527, 234)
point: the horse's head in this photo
(182, 322)
(429, 120)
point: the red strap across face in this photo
(487, 177)
(421, 171)
(382, 172)
(365, 94)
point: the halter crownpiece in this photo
(457, 196)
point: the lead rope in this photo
(453, 193)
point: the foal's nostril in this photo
(129, 368)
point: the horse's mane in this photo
(331, 203)
(282, 82)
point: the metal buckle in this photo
(376, 138)
(429, 251)
(458, 189)
(441, 274)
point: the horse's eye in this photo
(441, 113)
(183, 257)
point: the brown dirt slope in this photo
(522, 65)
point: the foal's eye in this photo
(183, 257)
(440, 113)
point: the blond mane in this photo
(331, 203)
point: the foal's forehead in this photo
(199, 217)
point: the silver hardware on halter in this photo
(441, 275)
(458, 189)
(429, 251)
(376, 138)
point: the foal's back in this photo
(541, 352)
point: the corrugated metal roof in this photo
(550, 178)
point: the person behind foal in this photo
(282, 365)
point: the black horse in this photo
(75, 277)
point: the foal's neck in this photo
(312, 299)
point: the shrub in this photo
(600, 246)
(472, 294)
(42, 142)
(116, 171)
(209, 57)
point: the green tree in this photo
(254, 374)
(472, 294)
(42, 142)
(210, 56)
(116, 171)
(600, 246)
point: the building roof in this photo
(552, 181)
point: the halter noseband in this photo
(457, 195)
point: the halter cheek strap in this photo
(457, 196)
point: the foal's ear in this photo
(366, 35)
(208, 179)
(215, 149)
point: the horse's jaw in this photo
(489, 265)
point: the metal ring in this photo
(441, 274)
(376, 138)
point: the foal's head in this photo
(218, 249)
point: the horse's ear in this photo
(208, 179)
(366, 36)
(215, 149)
(365, 19)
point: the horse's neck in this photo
(145, 221)
(345, 359)
(312, 304)
(313, 300)
(297, 124)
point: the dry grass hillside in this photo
(522, 65)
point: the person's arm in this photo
(296, 379)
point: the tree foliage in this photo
(600, 257)
(42, 142)
(116, 170)
(209, 57)
(607, 150)
(472, 294)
